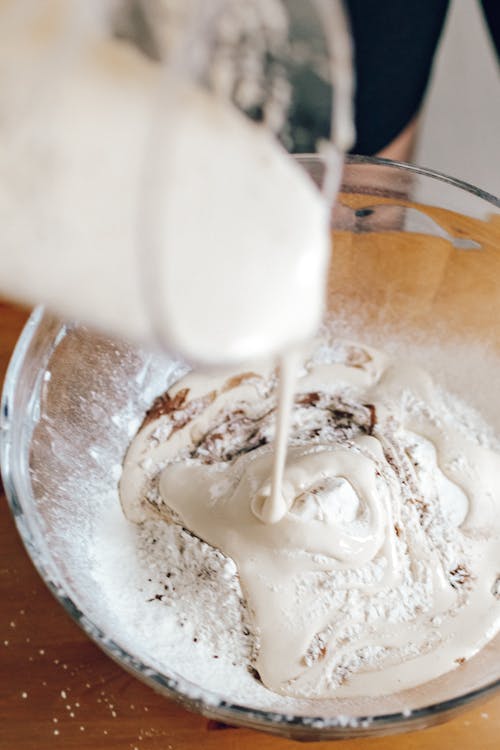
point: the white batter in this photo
(384, 499)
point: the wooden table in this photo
(58, 690)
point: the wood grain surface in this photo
(57, 690)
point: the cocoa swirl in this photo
(379, 574)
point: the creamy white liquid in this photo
(395, 510)
(270, 504)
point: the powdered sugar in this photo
(174, 601)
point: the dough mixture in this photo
(383, 570)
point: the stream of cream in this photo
(270, 504)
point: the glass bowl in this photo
(416, 261)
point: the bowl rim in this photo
(190, 695)
(356, 159)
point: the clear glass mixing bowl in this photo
(416, 256)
